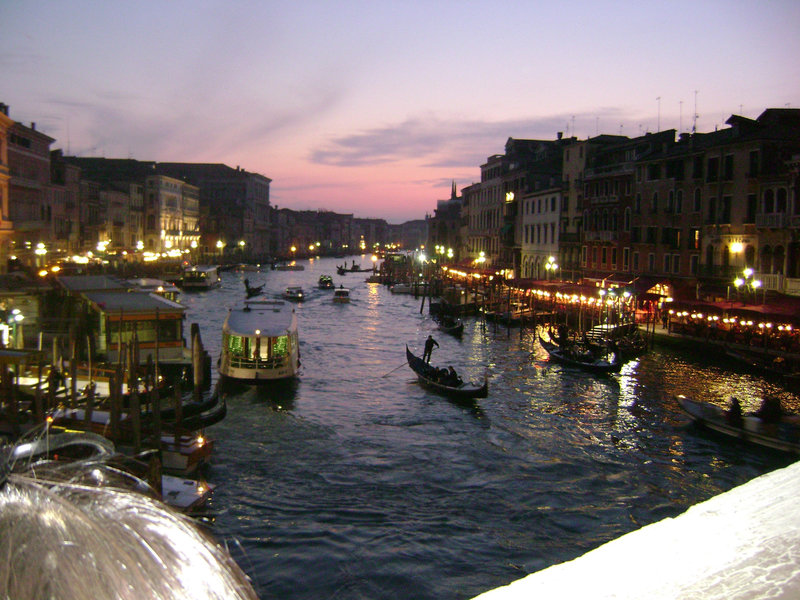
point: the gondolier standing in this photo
(429, 344)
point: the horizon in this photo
(375, 109)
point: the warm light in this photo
(737, 247)
(293, 249)
(220, 244)
(747, 272)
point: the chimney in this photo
(560, 134)
(33, 125)
(4, 108)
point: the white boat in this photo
(401, 288)
(341, 295)
(200, 277)
(294, 293)
(161, 287)
(259, 342)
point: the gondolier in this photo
(429, 344)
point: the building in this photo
(6, 225)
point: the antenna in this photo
(659, 114)
(573, 125)
(694, 118)
(597, 125)
(680, 118)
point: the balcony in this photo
(600, 236)
(599, 200)
(772, 220)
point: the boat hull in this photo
(465, 391)
(783, 435)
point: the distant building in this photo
(6, 225)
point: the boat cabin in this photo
(260, 342)
(200, 277)
(121, 317)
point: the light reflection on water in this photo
(354, 482)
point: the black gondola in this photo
(252, 291)
(451, 325)
(573, 356)
(428, 377)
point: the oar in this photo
(393, 370)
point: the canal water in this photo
(354, 482)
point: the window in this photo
(626, 258)
(651, 262)
(613, 258)
(698, 200)
(753, 167)
(635, 261)
(693, 262)
(713, 169)
(697, 167)
(679, 202)
(667, 263)
(752, 204)
(725, 212)
(676, 263)
(728, 167)
(654, 203)
(626, 219)
(711, 217)
(604, 255)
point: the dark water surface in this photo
(354, 482)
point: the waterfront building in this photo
(30, 195)
(6, 225)
(612, 220)
(539, 231)
(444, 228)
(234, 204)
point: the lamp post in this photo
(550, 267)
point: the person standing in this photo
(429, 344)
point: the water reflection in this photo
(357, 483)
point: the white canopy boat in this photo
(259, 342)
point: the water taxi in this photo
(341, 295)
(294, 293)
(200, 278)
(259, 342)
(325, 282)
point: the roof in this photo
(133, 303)
(87, 283)
(271, 318)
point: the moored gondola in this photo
(428, 376)
(451, 325)
(574, 355)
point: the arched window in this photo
(778, 258)
(766, 259)
(698, 200)
(678, 201)
(710, 255)
(781, 206)
(614, 220)
(749, 255)
(654, 203)
(769, 201)
(626, 219)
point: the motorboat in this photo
(341, 295)
(326, 282)
(294, 293)
(260, 342)
(200, 277)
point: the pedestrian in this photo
(429, 344)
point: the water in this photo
(354, 482)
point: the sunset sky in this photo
(375, 107)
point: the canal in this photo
(354, 482)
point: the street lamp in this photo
(551, 266)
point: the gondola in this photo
(572, 356)
(782, 435)
(454, 327)
(427, 376)
(252, 291)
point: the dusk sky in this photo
(375, 107)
